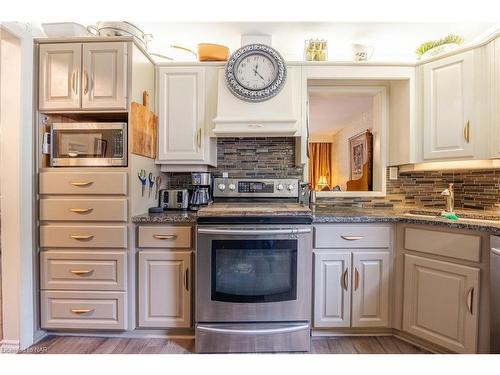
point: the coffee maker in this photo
(201, 194)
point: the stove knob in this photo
(222, 187)
(280, 187)
(290, 187)
(232, 187)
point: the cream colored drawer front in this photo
(351, 236)
(165, 236)
(83, 310)
(55, 209)
(114, 236)
(83, 183)
(453, 245)
(83, 270)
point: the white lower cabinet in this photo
(165, 288)
(370, 289)
(441, 302)
(332, 300)
(351, 289)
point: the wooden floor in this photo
(103, 345)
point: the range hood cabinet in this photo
(278, 116)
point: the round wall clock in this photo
(255, 73)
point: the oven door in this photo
(257, 273)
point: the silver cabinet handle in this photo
(470, 300)
(254, 231)
(81, 311)
(83, 183)
(495, 251)
(82, 238)
(186, 279)
(165, 236)
(345, 279)
(356, 278)
(352, 238)
(268, 331)
(81, 210)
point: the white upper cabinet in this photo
(60, 70)
(448, 101)
(104, 81)
(181, 113)
(495, 97)
(185, 96)
(83, 76)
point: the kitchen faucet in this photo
(450, 198)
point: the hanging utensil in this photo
(142, 177)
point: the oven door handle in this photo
(269, 331)
(254, 231)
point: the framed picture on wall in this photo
(361, 156)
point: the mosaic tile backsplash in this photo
(275, 157)
(474, 189)
(250, 157)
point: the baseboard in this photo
(331, 332)
(9, 346)
(136, 334)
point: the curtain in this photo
(320, 165)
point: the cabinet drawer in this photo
(83, 183)
(114, 236)
(83, 310)
(165, 236)
(351, 236)
(83, 270)
(56, 209)
(453, 245)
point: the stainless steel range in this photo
(253, 268)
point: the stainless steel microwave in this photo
(91, 144)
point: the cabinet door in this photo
(441, 302)
(332, 297)
(370, 289)
(181, 114)
(59, 76)
(495, 104)
(104, 76)
(448, 107)
(165, 289)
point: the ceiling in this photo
(391, 41)
(330, 112)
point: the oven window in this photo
(91, 143)
(254, 271)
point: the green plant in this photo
(424, 47)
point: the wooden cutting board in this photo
(144, 128)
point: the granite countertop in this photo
(485, 221)
(169, 217)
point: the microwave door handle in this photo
(254, 231)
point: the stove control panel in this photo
(250, 187)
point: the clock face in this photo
(255, 73)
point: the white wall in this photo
(341, 171)
(16, 186)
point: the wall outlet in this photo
(225, 175)
(393, 173)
